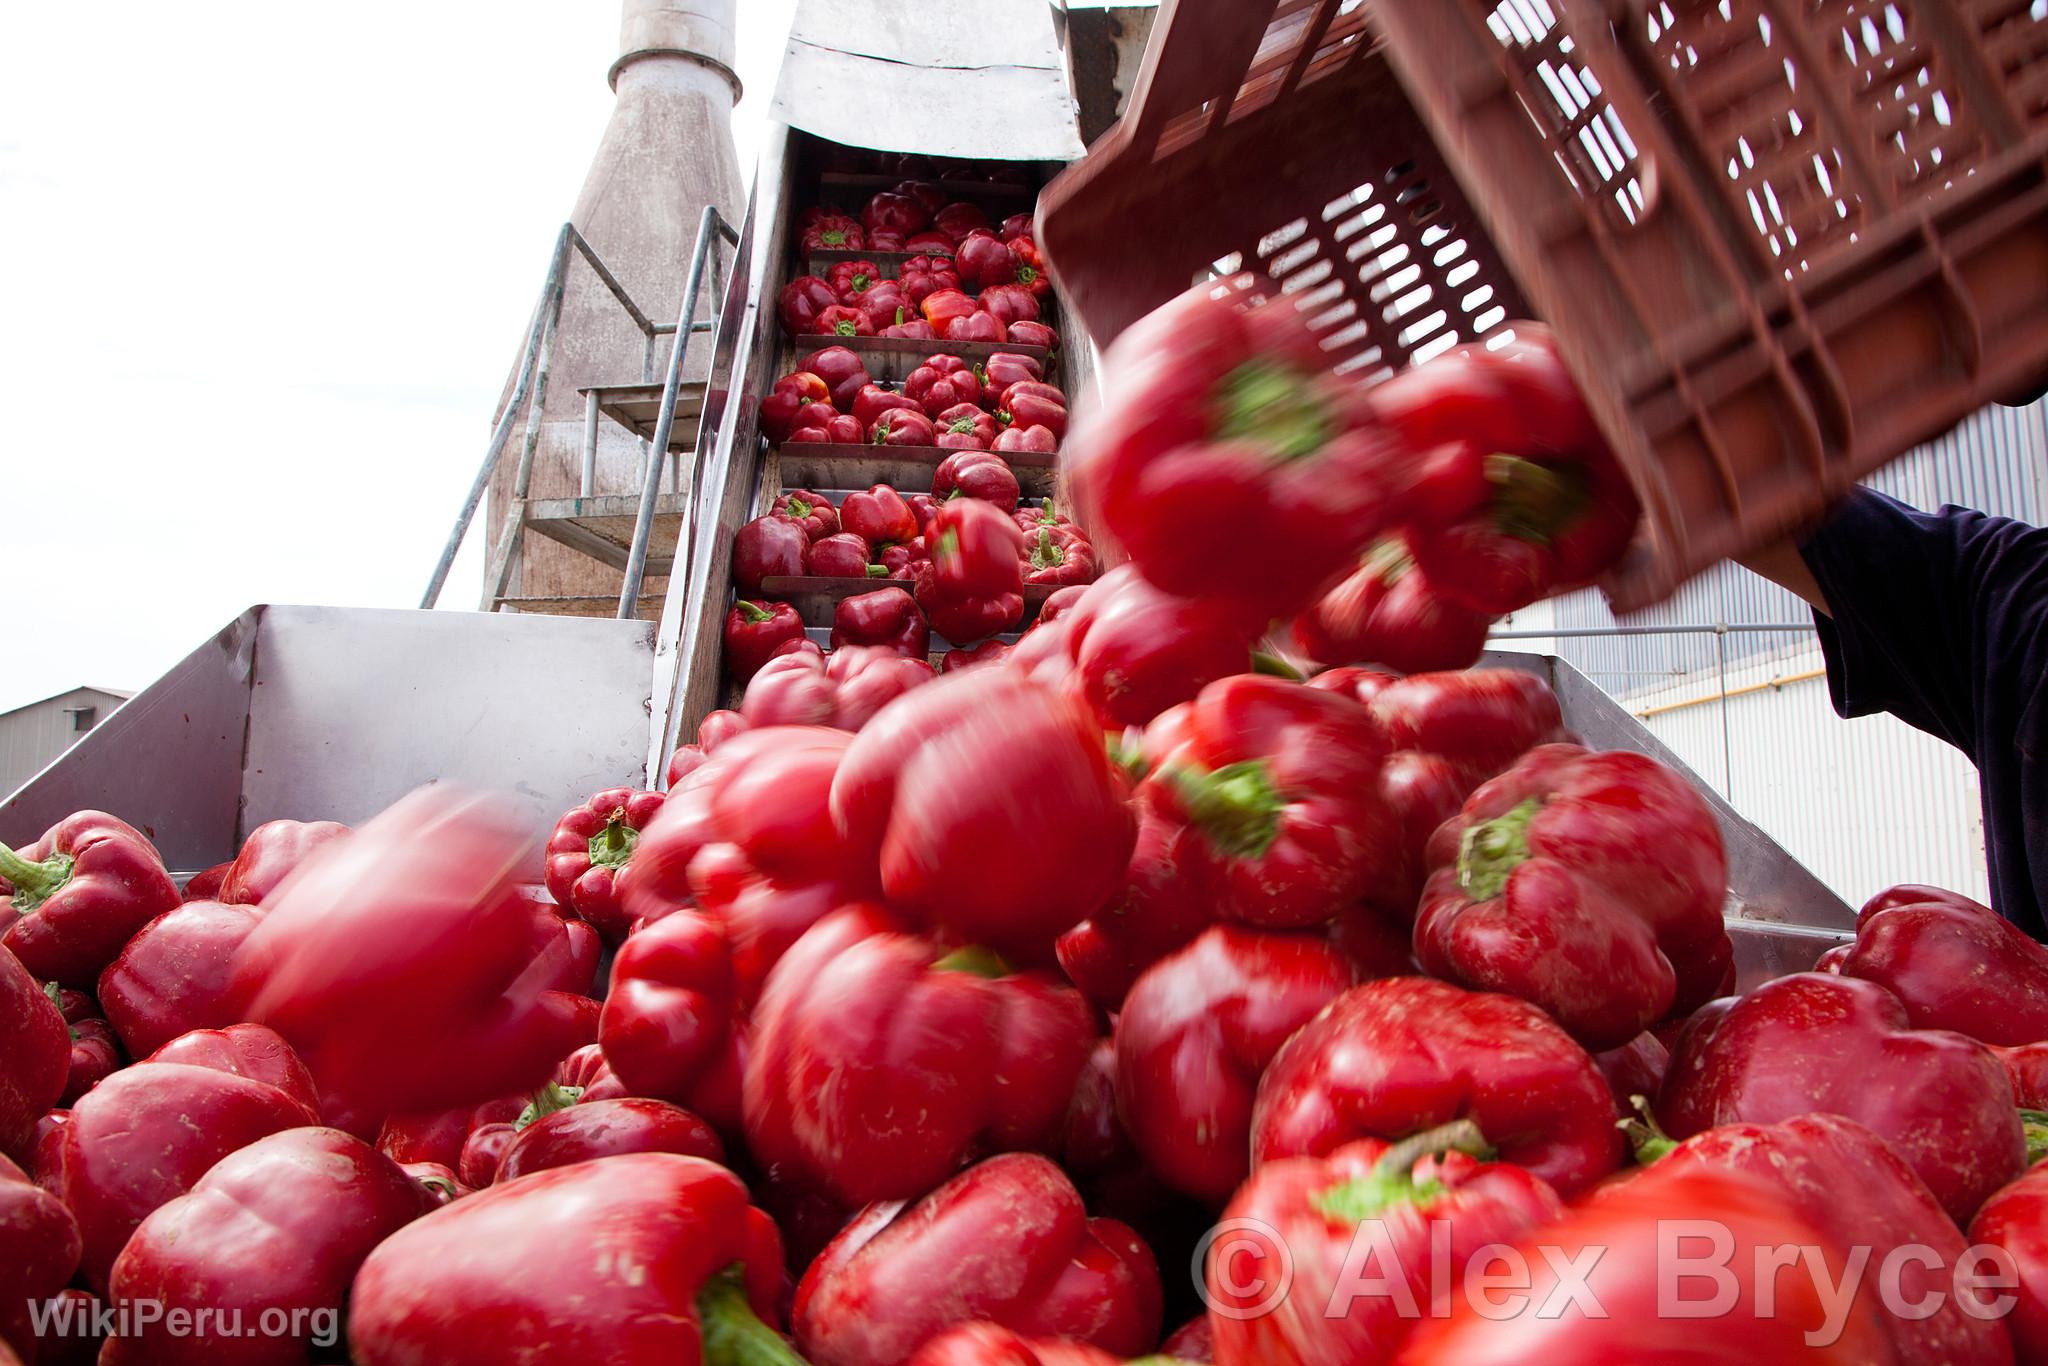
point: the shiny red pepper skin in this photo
(1038, 439)
(1011, 1243)
(2016, 1220)
(975, 551)
(932, 243)
(176, 975)
(923, 276)
(903, 427)
(1035, 334)
(1811, 1043)
(887, 618)
(1137, 650)
(841, 555)
(1956, 968)
(1032, 403)
(421, 906)
(1846, 1182)
(1387, 612)
(852, 279)
(886, 306)
(768, 547)
(1005, 368)
(782, 405)
(38, 1056)
(983, 260)
(95, 1048)
(903, 561)
(1012, 303)
(605, 1128)
(976, 474)
(930, 196)
(895, 212)
(1031, 274)
(204, 885)
(1392, 1058)
(146, 1134)
(671, 1024)
(978, 326)
(832, 232)
(280, 1225)
(438, 1137)
(754, 631)
(1648, 1314)
(877, 1065)
(842, 321)
(1157, 912)
(1424, 1208)
(804, 688)
(82, 891)
(1058, 555)
(590, 847)
(965, 620)
(1279, 785)
(1589, 884)
(1193, 1036)
(988, 652)
(621, 1259)
(940, 383)
(799, 303)
(989, 1344)
(965, 427)
(880, 516)
(41, 1239)
(272, 850)
(942, 306)
(813, 512)
(1481, 720)
(843, 371)
(245, 1050)
(957, 220)
(980, 762)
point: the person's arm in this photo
(1783, 565)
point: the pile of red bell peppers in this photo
(1114, 993)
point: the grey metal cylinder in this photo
(703, 30)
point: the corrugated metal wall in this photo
(1865, 803)
(31, 736)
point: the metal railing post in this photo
(499, 573)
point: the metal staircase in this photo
(631, 530)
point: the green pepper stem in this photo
(1273, 405)
(1392, 1179)
(1236, 806)
(1273, 666)
(1460, 1135)
(2035, 1125)
(612, 846)
(1533, 501)
(1491, 850)
(733, 1333)
(1650, 1142)
(754, 612)
(975, 959)
(56, 995)
(548, 1100)
(34, 883)
(1044, 554)
(876, 571)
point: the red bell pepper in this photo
(1009, 1241)
(1422, 1210)
(780, 406)
(275, 1230)
(1030, 403)
(1156, 912)
(842, 369)
(204, 885)
(176, 975)
(1954, 968)
(932, 243)
(38, 1056)
(823, 427)
(851, 279)
(1846, 1182)
(942, 306)
(1917, 894)
(923, 506)
(1389, 613)
(2015, 1220)
(1031, 274)
(1027, 333)
(903, 427)
(718, 727)
(975, 473)
(1058, 555)
(930, 196)
(95, 1048)
(1513, 494)
(989, 1344)
(880, 516)
(606, 1128)
(643, 1257)
(413, 929)
(842, 321)
(982, 770)
(42, 1245)
(1047, 513)
(841, 555)
(1015, 226)
(1815, 1044)
(908, 560)
(804, 688)
(1012, 303)
(1481, 720)
(146, 1134)
(1392, 1058)
(1279, 785)
(438, 1137)
(589, 848)
(965, 427)
(831, 231)
(1014, 438)
(940, 383)
(895, 211)
(1193, 1036)
(813, 512)
(984, 260)
(1223, 428)
(887, 618)
(1005, 368)
(907, 325)
(1693, 1270)
(957, 220)
(879, 1061)
(988, 652)
(82, 891)
(1137, 651)
(245, 1050)
(272, 850)
(976, 584)
(798, 304)
(978, 326)
(886, 239)
(1590, 884)
(922, 276)
(754, 631)
(767, 547)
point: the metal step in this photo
(637, 408)
(602, 527)
(649, 608)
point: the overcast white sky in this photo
(266, 265)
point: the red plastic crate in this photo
(1781, 242)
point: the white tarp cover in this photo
(967, 78)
